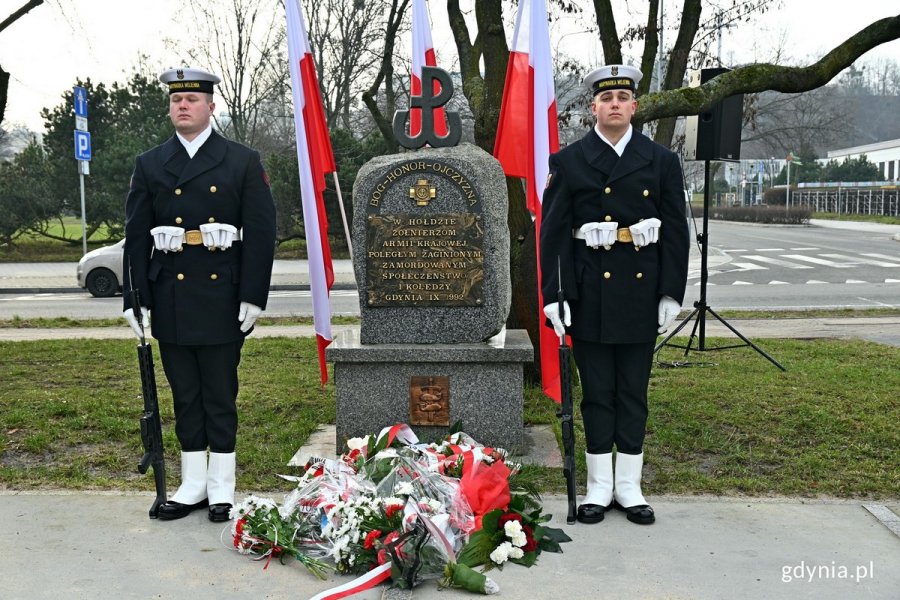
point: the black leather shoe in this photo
(176, 510)
(642, 514)
(591, 513)
(219, 512)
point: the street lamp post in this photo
(787, 197)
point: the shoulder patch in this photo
(265, 177)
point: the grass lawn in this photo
(830, 425)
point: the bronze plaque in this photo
(425, 259)
(429, 400)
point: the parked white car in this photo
(100, 270)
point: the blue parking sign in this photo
(82, 145)
(79, 95)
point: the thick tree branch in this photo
(763, 76)
(20, 13)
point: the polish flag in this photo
(315, 159)
(526, 136)
(423, 55)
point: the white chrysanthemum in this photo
(512, 528)
(501, 553)
(519, 539)
(516, 553)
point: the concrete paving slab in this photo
(94, 545)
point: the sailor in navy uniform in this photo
(199, 247)
(613, 216)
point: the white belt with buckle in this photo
(623, 234)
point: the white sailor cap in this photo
(613, 77)
(188, 79)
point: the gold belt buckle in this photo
(623, 234)
(193, 237)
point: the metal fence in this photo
(850, 201)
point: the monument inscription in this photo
(434, 260)
(420, 257)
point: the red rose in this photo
(507, 517)
(530, 542)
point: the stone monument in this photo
(432, 268)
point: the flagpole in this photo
(337, 186)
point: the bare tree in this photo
(246, 49)
(383, 114)
(345, 39)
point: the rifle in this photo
(565, 412)
(151, 426)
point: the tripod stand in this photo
(700, 306)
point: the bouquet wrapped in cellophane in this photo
(393, 508)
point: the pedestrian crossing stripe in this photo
(776, 261)
(820, 261)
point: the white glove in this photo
(600, 234)
(668, 310)
(168, 238)
(218, 235)
(133, 320)
(646, 232)
(551, 311)
(247, 315)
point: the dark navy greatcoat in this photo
(194, 295)
(614, 294)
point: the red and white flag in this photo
(315, 159)
(423, 55)
(526, 136)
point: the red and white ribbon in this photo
(360, 584)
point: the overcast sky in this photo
(46, 50)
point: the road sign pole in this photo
(82, 151)
(83, 218)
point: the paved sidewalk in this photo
(102, 545)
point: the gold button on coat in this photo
(639, 275)
(177, 191)
(178, 219)
(212, 189)
(607, 190)
(607, 218)
(180, 276)
(637, 248)
(646, 193)
(213, 276)
(212, 219)
(606, 275)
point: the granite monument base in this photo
(483, 380)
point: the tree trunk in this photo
(674, 77)
(609, 37)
